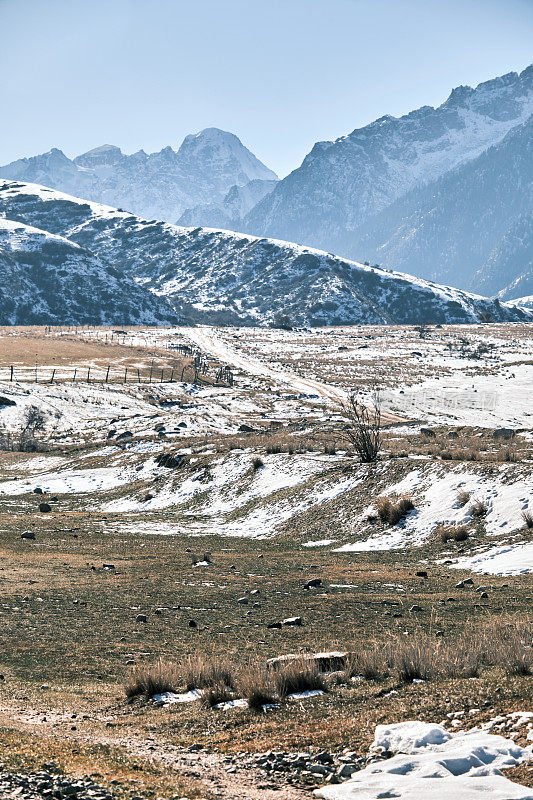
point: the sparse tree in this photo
(34, 421)
(362, 429)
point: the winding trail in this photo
(207, 340)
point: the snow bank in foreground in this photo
(433, 763)
(511, 559)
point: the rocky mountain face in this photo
(222, 277)
(471, 227)
(47, 279)
(331, 200)
(230, 212)
(160, 185)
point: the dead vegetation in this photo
(391, 512)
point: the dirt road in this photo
(210, 342)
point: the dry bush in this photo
(478, 509)
(299, 675)
(257, 463)
(392, 512)
(462, 497)
(527, 516)
(362, 429)
(164, 676)
(202, 672)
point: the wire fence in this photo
(195, 371)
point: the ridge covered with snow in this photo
(219, 276)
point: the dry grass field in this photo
(140, 562)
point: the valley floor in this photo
(188, 516)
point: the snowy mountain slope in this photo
(525, 302)
(219, 276)
(511, 260)
(160, 185)
(228, 214)
(468, 226)
(340, 184)
(46, 279)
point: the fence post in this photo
(138, 375)
(11, 376)
(88, 375)
(125, 374)
(75, 370)
(107, 374)
(151, 368)
(52, 378)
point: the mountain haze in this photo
(160, 185)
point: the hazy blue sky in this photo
(281, 74)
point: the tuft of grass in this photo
(201, 672)
(215, 694)
(393, 512)
(299, 675)
(257, 463)
(256, 686)
(414, 658)
(163, 676)
(457, 533)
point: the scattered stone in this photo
(414, 609)
(293, 621)
(314, 583)
(27, 535)
(243, 601)
(421, 573)
(506, 434)
(141, 618)
(193, 624)
(274, 625)
(37, 490)
(460, 585)
(45, 507)
(6, 401)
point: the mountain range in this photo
(444, 194)
(205, 275)
(160, 185)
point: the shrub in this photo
(527, 516)
(462, 497)
(478, 509)
(362, 429)
(257, 463)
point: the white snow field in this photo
(432, 764)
